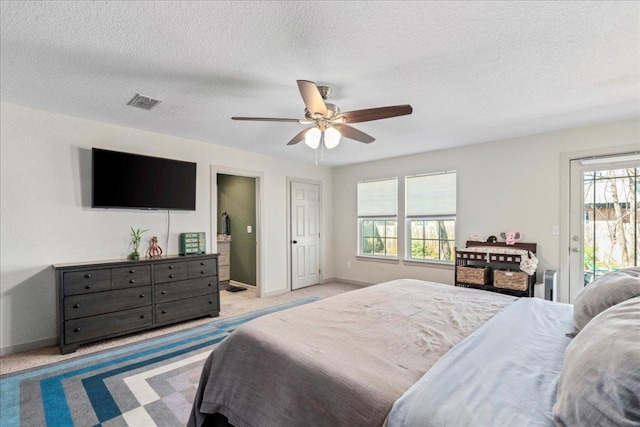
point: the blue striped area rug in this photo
(149, 383)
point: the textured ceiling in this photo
(473, 71)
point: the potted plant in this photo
(136, 235)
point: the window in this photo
(378, 218)
(431, 216)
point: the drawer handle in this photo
(201, 263)
(87, 276)
(132, 271)
(210, 302)
(76, 330)
(210, 284)
(76, 305)
(171, 276)
(87, 287)
(164, 311)
(141, 295)
(202, 272)
(142, 316)
(132, 281)
(171, 267)
(163, 292)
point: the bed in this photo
(401, 353)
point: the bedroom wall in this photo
(505, 185)
(46, 217)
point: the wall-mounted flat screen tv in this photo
(125, 180)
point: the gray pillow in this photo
(604, 292)
(599, 383)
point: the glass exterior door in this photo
(605, 226)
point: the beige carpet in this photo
(231, 304)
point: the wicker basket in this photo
(474, 275)
(516, 280)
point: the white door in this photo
(305, 234)
(604, 218)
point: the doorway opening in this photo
(236, 222)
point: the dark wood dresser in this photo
(107, 299)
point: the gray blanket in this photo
(341, 361)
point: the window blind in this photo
(378, 198)
(431, 195)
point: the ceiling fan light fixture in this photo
(331, 137)
(312, 138)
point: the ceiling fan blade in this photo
(370, 114)
(299, 137)
(311, 97)
(353, 133)
(266, 119)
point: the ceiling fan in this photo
(329, 124)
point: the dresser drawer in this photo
(85, 276)
(128, 277)
(86, 287)
(106, 302)
(107, 324)
(170, 271)
(185, 289)
(187, 308)
(203, 267)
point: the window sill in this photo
(378, 259)
(445, 265)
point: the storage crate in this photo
(474, 275)
(516, 280)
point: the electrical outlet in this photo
(249, 229)
(348, 264)
(555, 230)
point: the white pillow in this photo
(599, 383)
(604, 292)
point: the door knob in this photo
(294, 242)
(575, 249)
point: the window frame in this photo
(409, 239)
(377, 217)
(408, 219)
(362, 237)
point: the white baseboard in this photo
(19, 348)
(244, 285)
(276, 292)
(352, 282)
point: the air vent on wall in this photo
(144, 102)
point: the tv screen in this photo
(124, 180)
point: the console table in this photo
(99, 300)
